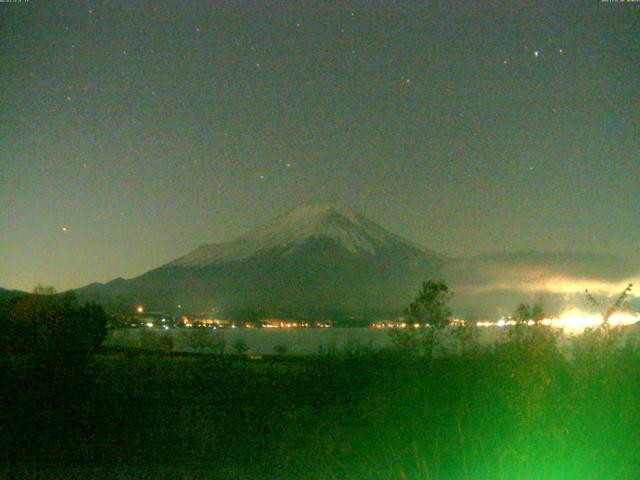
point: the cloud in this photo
(494, 284)
(558, 285)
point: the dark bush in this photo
(51, 327)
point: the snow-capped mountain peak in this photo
(336, 222)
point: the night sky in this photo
(133, 131)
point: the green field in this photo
(501, 413)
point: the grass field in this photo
(508, 413)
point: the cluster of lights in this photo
(570, 321)
(573, 321)
(285, 324)
(576, 321)
(388, 325)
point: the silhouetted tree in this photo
(44, 290)
(51, 327)
(537, 313)
(524, 315)
(620, 304)
(430, 307)
(429, 310)
(467, 333)
(599, 342)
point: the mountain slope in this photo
(316, 260)
(326, 260)
(10, 293)
(346, 228)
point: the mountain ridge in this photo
(315, 258)
(351, 230)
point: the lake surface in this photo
(297, 341)
(263, 341)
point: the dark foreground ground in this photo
(514, 413)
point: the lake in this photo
(263, 341)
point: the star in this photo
(65, 229)
(536, 53)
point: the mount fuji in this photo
(318, 260)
